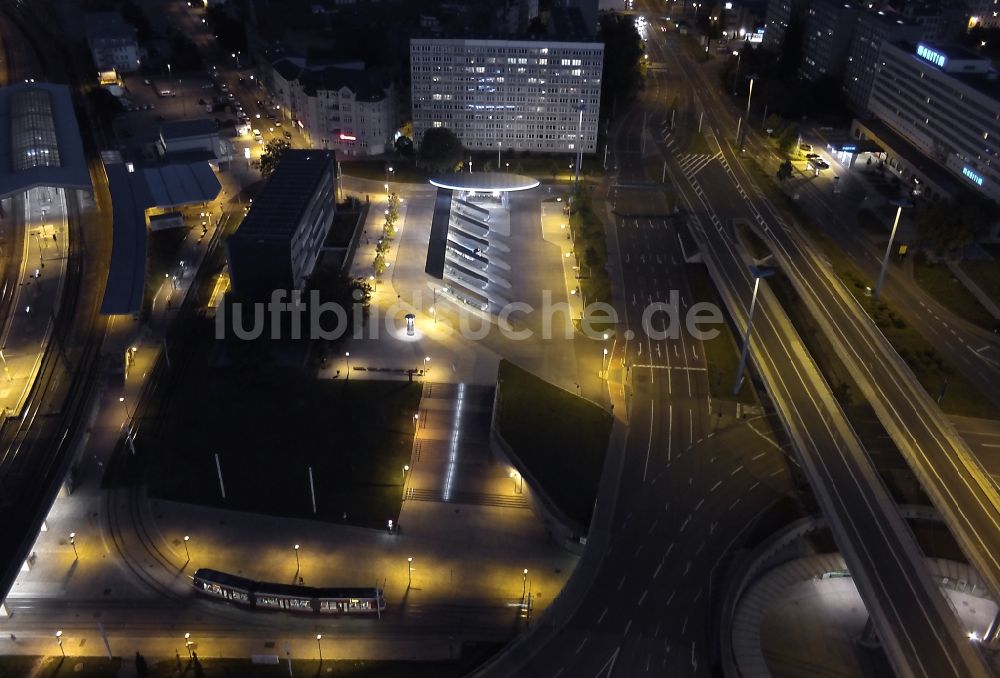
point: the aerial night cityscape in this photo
(499, 338)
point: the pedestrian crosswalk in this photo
(692, 163)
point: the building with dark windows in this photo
(112, 41)
(829, 27)
(279, 241)
(871, 30)
(525, 95)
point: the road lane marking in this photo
(580, 646)
(670, 598)
(655, 522)
(642, 597)
(656, 572)
(736, 470)
(621, 583)
(716, 486)
(649, 447)
(757, 456)
(733, 505)
(627, 627)
(699, 504)
(601, 618)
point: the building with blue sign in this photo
(943, 104)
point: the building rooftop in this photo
(108, 26)
(181, 129)
(367, 85)
(133, 191)
(502, 182)
(39, 139)
(277, 209)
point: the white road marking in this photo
(716, 486)
(649, 447)
(643, 596)
(601, 618)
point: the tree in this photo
(788, 139)
(440, 150)
(948, 225)
(622, 76)
(271, 156)
(379, 264)
(141, 667)
(785, 170)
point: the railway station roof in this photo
(39, 139)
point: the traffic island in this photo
(558, 442)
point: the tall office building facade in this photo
(945, 101)
(524, 95)
(871, 30)
(780, 14)
(828, 31)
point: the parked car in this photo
(812, 156)
(805, 147)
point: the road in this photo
(921, 634)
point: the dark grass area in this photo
(721, 353)
(77, 667)
(471, 656)
(986, 274)
(345, 223)
(403, 169)
(561, 439)
(937, 280)
(268, 426)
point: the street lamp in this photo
(409, 571)
(297, 558)
(59, 640)
(515, 477)
(406, 467)
(524, 583)
(319, 644)
(347, 355)
(757, 273)
(72, 542)
(740, 123)
(387, 189)
(186, 552)
(736, 78)
(188, 643)
(427, 369)
(888, 248)
(604, 360)
(579, 140)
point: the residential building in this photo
(828, 30)
(944, 101)
(984, 13)
(279, 241)
(526, 95)
(346, 108)
(112, 41)
(871, 30)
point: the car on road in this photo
(805, 147)
(812, 156)
(288, 135)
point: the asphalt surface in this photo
(920, 632)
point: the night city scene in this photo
(499, 338)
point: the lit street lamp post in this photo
(409, 571)
(297, 558)
(188, 643)
(347, 355)
(524, 583)
(59, 640)
(740, 123)
(186, 552)
(72, 542)
(758, 273)
(319, 644)
(406, 467)
(736, 78)
(604, 360)
(888, 248)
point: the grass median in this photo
(722, 354)
(938, 281)
(561, 439)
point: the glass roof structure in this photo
(33, 130)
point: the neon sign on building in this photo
(928, 54)
(972, 176)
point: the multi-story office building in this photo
(510, 94)
(945, 102)
(985, 13)
(279, 241)
(829, 27)
(871, 30)
(112, 41)
(780, 14)
(350, 110)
